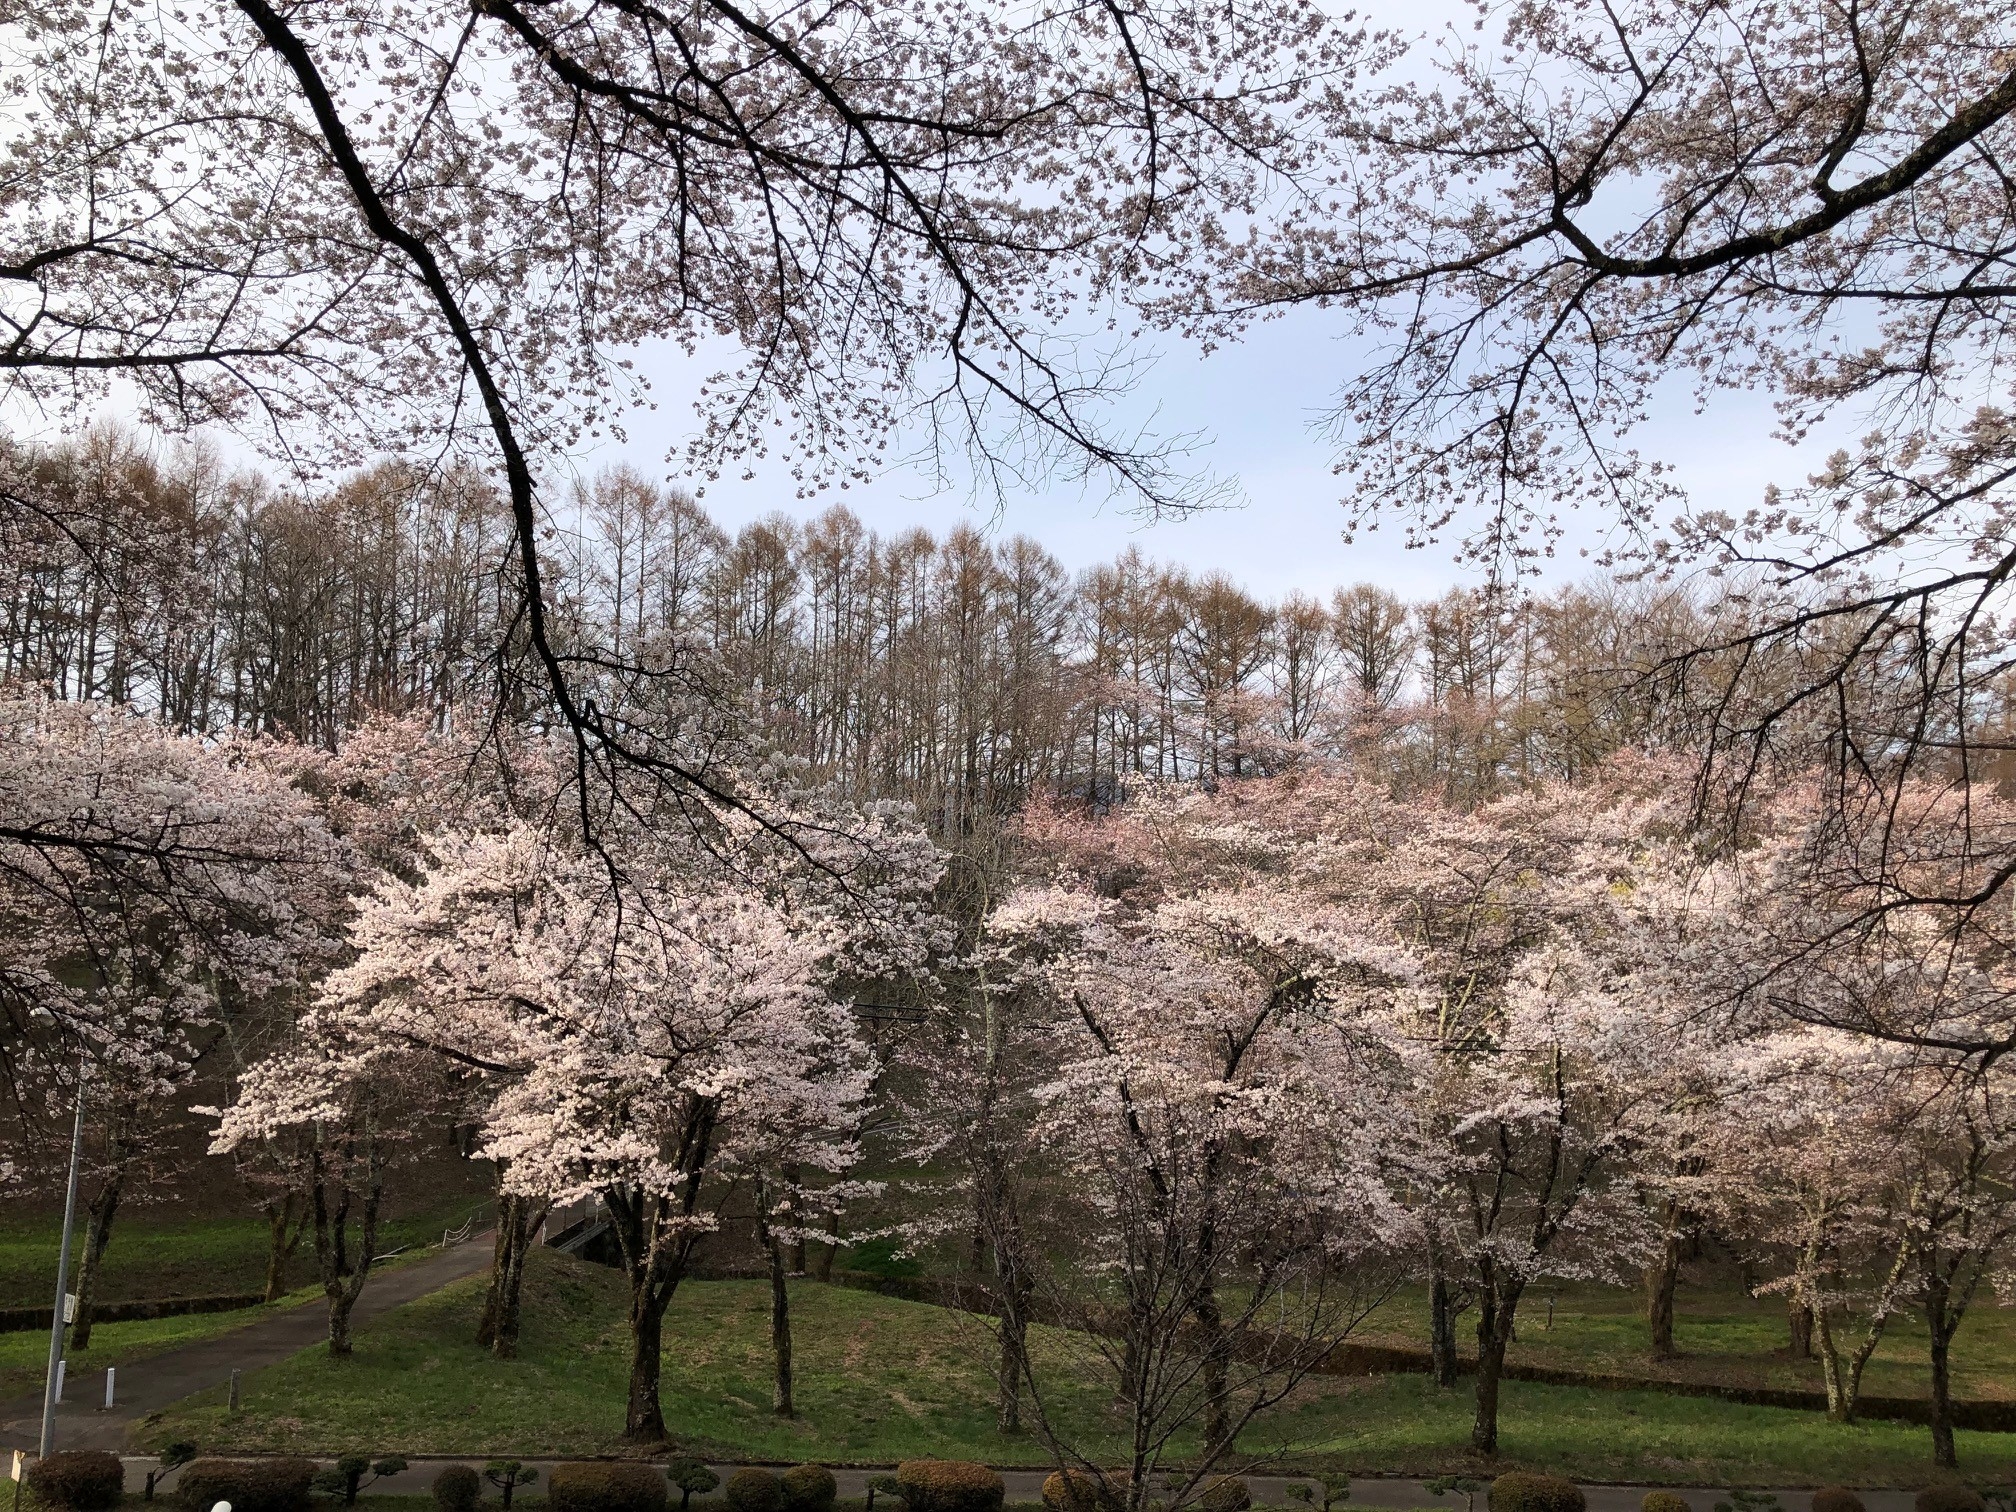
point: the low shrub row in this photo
(89, 1480)
(803, 1488)
(77, 1480)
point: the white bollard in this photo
(221, 1507)
(109, 1370)
(61, 1366)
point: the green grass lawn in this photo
(183, 1248)
(156, 1256)
(24, 1357)
(1723, 1335)
(882, 1380)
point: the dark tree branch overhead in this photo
(338, 237)
(1551, 228)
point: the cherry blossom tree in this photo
(967, 1107)
(385, 790)
(162, 891)
(1218, 1095)
(1571, 220)
(648, 1025)
(342, 1122)
(1804, 1162)
(1890, 1128)
(1958, 1172)
(1546, 1053)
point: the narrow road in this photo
(148, 1385)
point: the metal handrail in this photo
(458, 1235)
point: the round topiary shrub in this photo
(948, 1486)
(261, 1485)
(753, 1490)
(1226, 1494)
(1666, 1501)
(1837, 1499)
(1950, 1499)
(690, 1478)
(77, 1480)
(1517, 1491)
(603, 1486)
(808, 1488)
(457, 1489)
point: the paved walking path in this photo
(149, 1385)
(1367, 1492)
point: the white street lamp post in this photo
(56, 1323)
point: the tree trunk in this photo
(794, 1252)
(286, 1221)
(656, 1263)
(1013, 1288)
(1843, 1373)
(343, 1279)
(1497, 1312)
(1217, 1416)
(1799, 1318)
(831, 1246)
(518, 1219)
(1662, 1280)
(1131, 1364)
(643, 1418)
(1441, 1320)
(97, 1235)
(1009, 1370)
(780, 1332)
(1941, 1325)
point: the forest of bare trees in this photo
(961, 673)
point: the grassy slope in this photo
(1723, 1336)
(881, 1380)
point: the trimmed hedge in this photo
(261, 1485)
(1950, 1499)
(457, 1489)
(1517, 1491)
(591, 1486)
(1664, 1501)
(949, 1486)
(78, 1480)
(751, 1489)
(1837, 1499)
(808, 1488)
(1226, 1494)
(1080, 1491)
(33, 1319)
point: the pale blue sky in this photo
(1256, 404)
